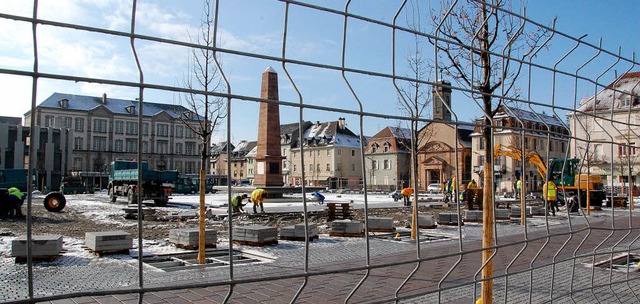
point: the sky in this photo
(312, 36)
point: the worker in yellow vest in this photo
(549, 190)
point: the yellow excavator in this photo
(564, 173)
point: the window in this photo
(77, 143)
(387, 164)
(386, 148)
(100, 125)
(353, 167)
(310, 153)
(131, 128)
(162, 147)
(67, 122)
(179, 131)
(79, 124)
(162, 130)
(563, 147)
(338, 152)
(374, 164)
(627, 150)
(189, 167)
(77, 163)
(295, 154)
(132, 145)
(145, 146)
(178, 166)
(49, 121)
(295, 168)
(328, 152)
(597, 151)
(188, 133)
(480, 160)
(145, 129)
(99, 144)
(353, 152)
(318, 167)
(190, 148)
(328, 167)
(178, 148)
(626, 102)
(374, 148)
(119, 127)
(481, 144)
(118, 145)
(311, 167)
(318, 152)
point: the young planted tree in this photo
(206, 111)
(479, 45)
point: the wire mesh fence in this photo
(480, 91)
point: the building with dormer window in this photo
(388, 159)
(608, 123)
(103, 129)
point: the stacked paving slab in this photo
(381, 224)
(189, 237)
(108, 241)
(297, 232)
(41, 246)
(424, 221)
(255, 235)
(346, 228)
(447, 218)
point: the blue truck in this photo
(53, 202)
(157, 185)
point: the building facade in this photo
(388, 159)
(104, 129)
(543, 134)
(332, 157)
(53, 152)
(607, 123)
(445, 153)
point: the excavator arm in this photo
(532, 157)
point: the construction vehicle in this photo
(53, 202)
(72, 184)
(564, 172)
(156, 185)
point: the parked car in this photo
(434, 188)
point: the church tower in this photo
(441, 96)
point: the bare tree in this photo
(472, 36)
(207, 112)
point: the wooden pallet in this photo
(40, 258)
(346, 234)
(193, 247)
(257, 244)
(297, 238)
(101, 253)
(382, 230)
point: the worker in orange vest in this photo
(406, 193)
(549, 190)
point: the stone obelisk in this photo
(268, 155)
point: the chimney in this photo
(342, 123)
(104, 98)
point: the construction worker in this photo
(549, 189)
(406, 193)
(447, 190)
(471, 193)
(319, 196)
(518, 188)
(15, 197)
(452, 189)
(257, 197)
(237, 204)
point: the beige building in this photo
(104, 129)
(331, 157)
(388, 159)
(607, 125)
(444, 153)
(544, 134)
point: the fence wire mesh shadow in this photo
(472, 91)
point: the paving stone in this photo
(108, 240)
(41, 245)
(380, 223)
(191, 236)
